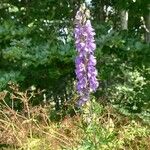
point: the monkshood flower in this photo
(85, 61)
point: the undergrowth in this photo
(94, 127)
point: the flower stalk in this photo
(85, 61)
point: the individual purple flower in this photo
(85, 61)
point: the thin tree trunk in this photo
(147, 24)
(124, 19)
(99, 13)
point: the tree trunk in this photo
(99, 13)
(147, 23)
(124, 19)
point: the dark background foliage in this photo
(37, 48)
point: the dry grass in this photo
(32, 125)
(31, 128)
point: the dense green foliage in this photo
(37, 48)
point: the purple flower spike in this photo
(85, 61)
